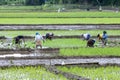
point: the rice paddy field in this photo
(71, 47)
(13, 33)
(99, 73)
(82, 14)
(28, 73)
(60, 18)
(59, 21)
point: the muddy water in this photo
(24, 62)
(65, 27)
(26, 55)
(29, 53)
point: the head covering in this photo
(37, 33)
(104, 32)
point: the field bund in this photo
(62, 61)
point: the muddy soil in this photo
(26, 53)
(60, 27)
(68, 61)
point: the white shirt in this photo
(38, 37)
(85, 35)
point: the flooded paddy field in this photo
(49, 56)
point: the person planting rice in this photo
(99, 36)
(18, 40)
(104, 37)
(86, 36)
(49, 36)
(38, 40)
(90, 43)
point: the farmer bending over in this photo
(90, 43)
(38, 40)
(86, 36)
(99, 36)
(18, 40)
(49, 36)
(104, 37)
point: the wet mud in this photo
(28, 53)
(67, 61)
(59, 27)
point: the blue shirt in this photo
(105, 36)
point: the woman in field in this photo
(86, 36)
(38, 40)
(103, 37)
(19, 40)
(90, 43)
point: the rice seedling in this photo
(82, 14)
(107, 51)
(77, 47)
(28, 73)
(59, 20)
(99, 73)
(56, 32)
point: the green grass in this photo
(57, 32)
(28, 73)
(111, 51)
(82, 14)
(65, 43)
(100, 73)
(60, 43)
(59, 20)
(68, 48)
